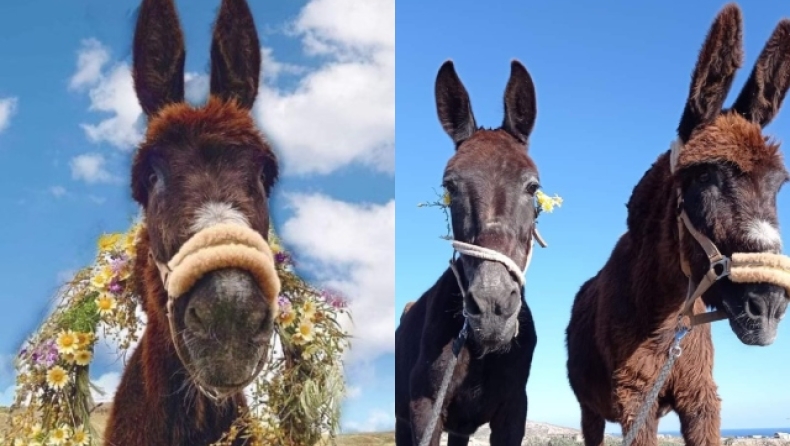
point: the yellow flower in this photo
(546, 202)
(106, 304)
(82, 357)
(108, 241)
(66, 342)
(102, 278)
(308, 309)
(59, 436)
(57, 377)
(36, 430)
(84, 339)
(287, 318)
(306, 331)
(80, 437)
(68, 357)
(446, 198)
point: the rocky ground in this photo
(543, 434)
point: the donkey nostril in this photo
(753, 308)
(193, 321)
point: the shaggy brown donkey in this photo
(492, 181)
(725, 175)
(197, 167)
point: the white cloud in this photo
(90, 61)
(90, 167)
(57, 191)
(350, 248)
(343, 112)
(8, 107)
(7, 395)
(107, 383)
(377, 421)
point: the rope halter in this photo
(481, 252)
(741, 267)
(224, 245)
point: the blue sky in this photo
(611, 85)
(69, 123)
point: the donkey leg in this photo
(648, 432)
(421, 413)
(700, 419)
(593, 426)
(403, 435)
(509, 422)
(457, 440)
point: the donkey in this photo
(197, 167)
(492, 182)
(714, 190)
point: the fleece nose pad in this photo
(217, 247)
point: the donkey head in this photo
(729, 173)
(491, 182)
(201, 166)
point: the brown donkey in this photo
(718, 183)
(492, 182)
(197, 167)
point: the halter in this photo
(741, 267)
(481, 252)
(223, 245)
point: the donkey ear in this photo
(764, 91)
(720, 57)
(235, 54)
(158, 56)
(520, 105)
(453, 105)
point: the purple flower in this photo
(283, 258)
(116, 287)
(117, 264)
(336, 300)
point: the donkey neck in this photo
(658, 283)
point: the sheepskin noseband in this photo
(224, 245)
(741, 267)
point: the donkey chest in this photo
(483, 385)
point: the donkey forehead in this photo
(733, 139)
(492, 152)
(217, 123)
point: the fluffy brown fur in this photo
(190, 156)
(623, 319)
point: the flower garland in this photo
(294, 401)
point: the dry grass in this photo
(101, 414)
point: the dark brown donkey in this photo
(492, 182)
(197, 167)
(725, 174)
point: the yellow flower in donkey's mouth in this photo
(446, 198)
(66, 342)
(106, 304)
(546, 202)
(57, 377)
(82, 357)
(108, 241)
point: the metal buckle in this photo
(724, 263)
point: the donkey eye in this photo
(532, 188)
(704, 177)
(153, 178)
